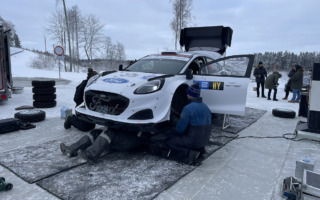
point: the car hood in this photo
(121, 81)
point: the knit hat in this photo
(260, 63)
(298, 67)
(194, 90)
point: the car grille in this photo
(105, 102)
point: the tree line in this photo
(80, 34)
(282, 61)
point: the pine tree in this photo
(16, 41)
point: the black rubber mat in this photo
(124, 175)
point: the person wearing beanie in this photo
(287, 88)
(192, 131)
(272, 83)
(260, 73)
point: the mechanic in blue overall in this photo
(101, 141)
(191, 134)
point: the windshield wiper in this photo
(163, 76)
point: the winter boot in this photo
(258, 93)
(159, 149)
(71, 150)
(203, 153)
(269, 93)
(67, 122)
(92, 153)
(275, 95)
(192, 156)
(284, 98)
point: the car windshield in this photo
(158, 66)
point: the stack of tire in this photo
(44, 94)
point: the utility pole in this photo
(68, 32)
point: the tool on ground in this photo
(5, 186)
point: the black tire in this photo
(43, 84)
(81, 124)
(8, 186)
(45, 104)
(30, 116)
(284, 113)
(178, 102)
(45, 97)
(40, 90)
(2, 179)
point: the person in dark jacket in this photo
(287, 86)
(296, 84)
(192, 132)
(73, 120)
(91, 146)
(78, 96)
(272, 83)
(260, 73)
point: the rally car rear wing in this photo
(214, 38)
(5, 66)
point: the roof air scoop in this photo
(212, 38)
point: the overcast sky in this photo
(143, 26)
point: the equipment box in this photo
(9, 125)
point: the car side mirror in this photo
(120, 67)
(189, 74)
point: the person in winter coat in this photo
(91, 146)
(73, 120)
(192, 132)
(78, 96)
(260, 73)
(296, 84)
(287, 86)
(272, 83)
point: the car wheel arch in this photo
(179, 100)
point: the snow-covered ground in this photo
(20, 68)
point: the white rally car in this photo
(149, 95)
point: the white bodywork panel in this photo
(230, 100)
(223, 88)
(315, 96)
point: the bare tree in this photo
(75, 24)
(120, 52)
(107, 45)
(91, 36)
(181, 17)
(56, 29)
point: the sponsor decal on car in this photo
(115, 80)
(210, 85)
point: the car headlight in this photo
(92, 79)
(149, 87)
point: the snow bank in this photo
(20, 65)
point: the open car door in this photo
(224, 83)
